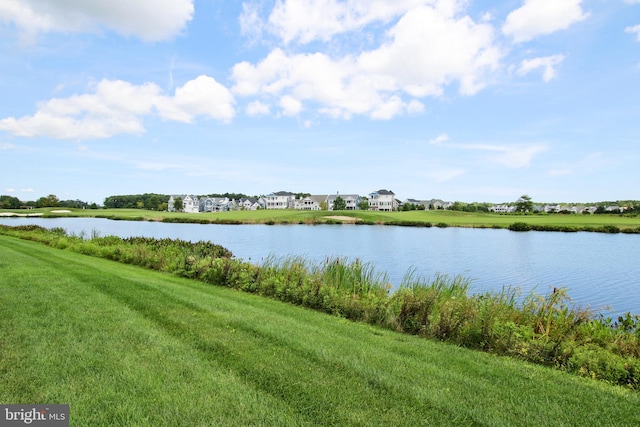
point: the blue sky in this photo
(459, 100)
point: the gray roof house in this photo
(248, 204)
(280, 200)
(351, 201)
(310, 203)
(382, 200)
(190, 203)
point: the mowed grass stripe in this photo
(128, 346)
(72, 344)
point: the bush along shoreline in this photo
(544, 329)
(609, 229)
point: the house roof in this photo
(384, 192)
(318, 198)
(344, 196)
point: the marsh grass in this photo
(546, 329)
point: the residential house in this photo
(280, 200)
(382, 200)
(615, 209)
(190, 203)
(311, 203)
(417, 203)
(262, 203)
(438, 204)
(351, 201)
(249, 204)
(172, 202)
(216, 204)
(502, 209)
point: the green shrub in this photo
(520, 226)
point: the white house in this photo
(190, 203)
(250, 204)
(310, 203)
(382, 200)
(281, 200)
(502, 208)
(351, 201)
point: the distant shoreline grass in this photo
(127, 346)
(545, 329)
(605, 223)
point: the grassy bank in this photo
(546, 329)
(126, 346)
(542, 222)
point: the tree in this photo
(9, 202)
(339, 204)
(524, 204)
(51, 201)
(363, 204)
(457, 206)
(177, 204)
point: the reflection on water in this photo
(599, 269)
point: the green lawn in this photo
(449, 218)
(127, 346)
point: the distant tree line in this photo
(50, 201)
(149, 201)
(469, 207)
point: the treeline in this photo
(149, 201)
(470, 207)
(50, 201)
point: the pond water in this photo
(600, 270)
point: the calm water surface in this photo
(600, 270)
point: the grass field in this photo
(416, 218)
(127, 346)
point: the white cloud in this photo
(547, 64)
(445, 174)
(305, 21)
(251, 24)
(428, 49)
(432, 46)
(257, 108)
(415, 107)
(632, 1)
(7, 146)
(22, 190)
(540, 17)
(510, 156)
(118, 107)
(290, 106)
(204, 96)
(149, 21)
(635, 29)
(517, 157)
(443, 137)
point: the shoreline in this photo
(519, 223)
